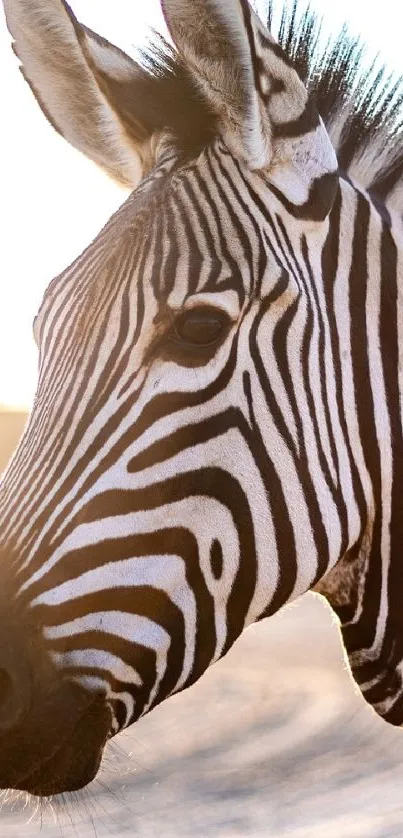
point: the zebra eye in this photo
(200, 327)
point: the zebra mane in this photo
(362, 110)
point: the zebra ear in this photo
(212, 38)
(262, 106)
(77, 79)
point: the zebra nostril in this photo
(6, 688)
(11, 702)
(15, 681)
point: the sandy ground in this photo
(273, 741)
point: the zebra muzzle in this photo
(52, 730)
(59, 745)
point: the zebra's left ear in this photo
(264, 112)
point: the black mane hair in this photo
(362, 110)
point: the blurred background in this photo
(274, 740)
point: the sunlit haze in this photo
(53, 201)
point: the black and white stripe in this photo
(166, 496)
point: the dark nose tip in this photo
(15, 681)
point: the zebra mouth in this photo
(58, 748)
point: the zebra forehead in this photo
(177, 232)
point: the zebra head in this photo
(187, 468)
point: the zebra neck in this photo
(366, 586)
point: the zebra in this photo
(217, 426)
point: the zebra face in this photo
(145, 528)
(162, 497)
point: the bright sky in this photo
(53, 201)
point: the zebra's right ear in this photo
(262, 108)
(212, 38)
(80, 81)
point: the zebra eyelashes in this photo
(195, 335)
(202, 326)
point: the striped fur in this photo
(167, 495)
